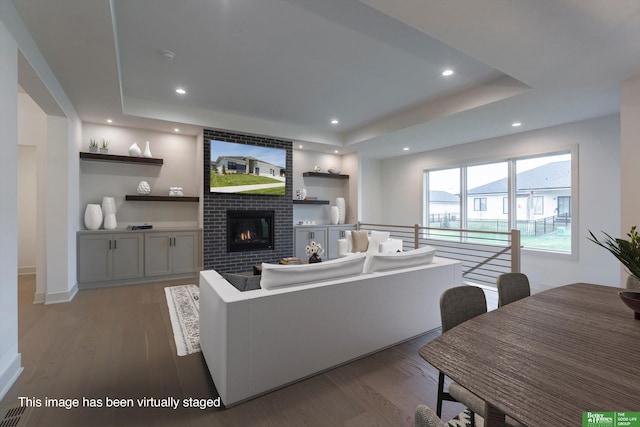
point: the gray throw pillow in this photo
(237, 280)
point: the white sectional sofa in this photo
(314, 317)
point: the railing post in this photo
(416, 235)
(515, 251)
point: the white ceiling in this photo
(286, 67)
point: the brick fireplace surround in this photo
(215, 254)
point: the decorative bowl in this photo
(632, 300)
(334, 171)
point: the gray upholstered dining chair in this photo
(457, 305)
(633, 282)
(425, 417)
(512, 287)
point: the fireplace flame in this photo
(246, 235)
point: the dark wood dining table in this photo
(546, 359)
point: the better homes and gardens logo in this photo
(611, 419)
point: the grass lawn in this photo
(239, 179)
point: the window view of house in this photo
(540, 191)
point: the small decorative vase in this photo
(335, 215)
(303, 193)
(144, 188)
(342, 209)
(147, 151)
(93, 216)
(134, 150)
(104, 150)
(93, 149)
(314, 258)
(109, 212)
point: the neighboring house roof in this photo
(553, 175)
(436, 196)
(244, 158)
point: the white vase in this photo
(93, 216)
(108, 205)
(144, 188)
(303, 193)
(109, 212)
(147, 151)
(335, 215)
(134, 150)
(110, 222)
(342, 209)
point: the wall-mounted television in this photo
(247, 169)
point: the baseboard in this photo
(10, 374)
(23, 271)
(60, 297)
(39, 297)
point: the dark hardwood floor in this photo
(118, 343)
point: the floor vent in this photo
(12, 417)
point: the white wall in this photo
(32, 126)
(322, 188)
(371, 203)
(630, 153)
(180, 169)
(598, 143)
(10, 361)
(27, 208)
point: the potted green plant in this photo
(104, 147)
(627, 251)
(93, 146)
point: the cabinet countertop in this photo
(125, 230)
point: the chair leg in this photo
(473, 419)
(440, 394)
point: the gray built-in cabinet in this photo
(118, 257)
(325, 235)
(171, 252)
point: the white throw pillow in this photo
(347, 236)
(276, 275)
(395, 260)
(375, 239)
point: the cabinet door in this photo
(157, 254)
(127, 254)
(304, 237)
(185, 249)
(94, 258)
(336, 233)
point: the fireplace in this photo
(249, 230)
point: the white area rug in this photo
(184, 310)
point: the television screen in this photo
(247, 169)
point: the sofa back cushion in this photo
(276, 275)
(394, 260)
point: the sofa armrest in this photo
(391, 245)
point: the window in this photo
(532, 194)
(480, 204)
(444, 198)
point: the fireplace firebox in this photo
(249, 230)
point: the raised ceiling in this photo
(285, 68)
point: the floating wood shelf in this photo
(120, 159)
(326, 175)
(310, 202)
(139, 198)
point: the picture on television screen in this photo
(247, 169)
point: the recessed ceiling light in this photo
(181, 91)
(176, 129)
(334, 121)
(299, 146)
(447, 73)
(405, 149)
(516, 124)
(336, 151)
(109, 121)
